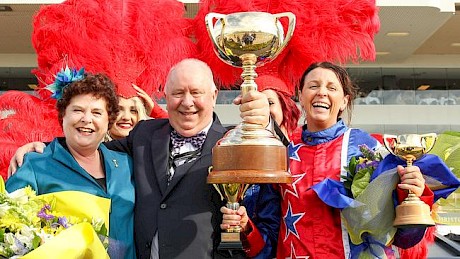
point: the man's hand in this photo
(411, 179)
(18, 158)
(234, 218)
(254, 108)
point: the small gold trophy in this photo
(412, 212)
(247, 154)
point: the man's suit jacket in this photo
(186, 212)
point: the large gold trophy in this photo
(249, 153)
(412, 212)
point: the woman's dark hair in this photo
(349, 88)
(98, 85)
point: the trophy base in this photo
(230, 241)
(249, 164)
(413, 214)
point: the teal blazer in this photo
(57, 170)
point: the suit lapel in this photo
(160, 152)
(214, 134)
(179, 173)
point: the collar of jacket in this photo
(323, 136)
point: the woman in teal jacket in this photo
(87, 107)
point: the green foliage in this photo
(359, 170)
(361, 180)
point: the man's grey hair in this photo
(192, 62)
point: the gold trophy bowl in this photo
(249, 153)
(412, 212)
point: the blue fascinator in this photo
(64, 78)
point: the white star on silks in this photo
(294, 186)
(290, 220)
(294, 256)
(293, 149)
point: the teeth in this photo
(321, 104)
(85, 130)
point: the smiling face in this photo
(322, 98)
(85, 122)
(190, 97)
(127, 118)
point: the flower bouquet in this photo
(370, 225)
(52, 225)
(366, 200)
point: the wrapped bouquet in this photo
(370, 225)
(54, 225)
(366, 201)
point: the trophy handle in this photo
(386, 137)
(430, 139)
(290, 31)
(210, 26)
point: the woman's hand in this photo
(233, 218)
(148, 101)
(411, 179)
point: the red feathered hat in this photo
(291, 113)
(265, 82)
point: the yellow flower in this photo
(362, 160)
(28, 221)
(10, 221)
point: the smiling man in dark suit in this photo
(177, 212)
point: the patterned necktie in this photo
(178, 140)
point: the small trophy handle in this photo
(387, 145)
(291, 26)
(210, 26)
(430, 138)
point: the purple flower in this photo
(360, 169)
(360, 166)
(43, 213)
(367, 152)
(20, 247)
(63, 222)
(374, 164)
